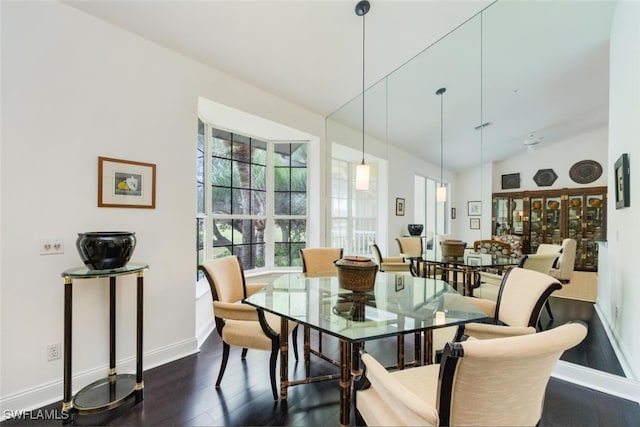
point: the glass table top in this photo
(399, 303)
(474, 259)
(84, 272)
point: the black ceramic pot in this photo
(106, 250)
(415, 229)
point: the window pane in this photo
(259, 203)
(220, 171)
(258, 177)
(298, 230)
(282, 155)
(281, 179)
(299, 155)
(222, 234)
(242, 175)
(241, 202)
(221, 200)
(259, 153)
(298, 203)
(221, 146)
(282, 203)
(299, 179)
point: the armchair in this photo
(388, 263)
(493, 247)
(410, 247)
(319, 260)
(521, 297)
(497, 382)
(543, 263)
(563, 268)
(240, 324)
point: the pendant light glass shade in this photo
(441, 193)
(362, 170)
(362, 176)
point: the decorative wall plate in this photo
(585, 171)
(545, 177)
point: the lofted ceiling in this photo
(526, 68)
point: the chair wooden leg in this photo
(223, 365)
(244, 353)
(294, 340)
(272, 368)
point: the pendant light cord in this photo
(363, 46)
(441, 138)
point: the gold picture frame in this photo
(126, 184)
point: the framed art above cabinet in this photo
(551, 216)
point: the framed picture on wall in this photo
(399, 206)
(474, 223)
(621, 169)
(474, 208)
(126, 184)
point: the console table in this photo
(115, 389)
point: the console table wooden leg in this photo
(112, 327)
(68, 310)
(139, 366)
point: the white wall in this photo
(75, 88)
(619, 289)
(560, 157)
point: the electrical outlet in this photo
(54, 351)
(52, 246)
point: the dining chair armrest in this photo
(488, 307)
(254, 287)
(407, 406)
(483, 331)
(392, 259)
(234, 311)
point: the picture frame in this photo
(399, 206)
(473, 260)
(126, 184)
(474, 223)
(399, 282)
(622, 179)
(474, 208)
(453, 213)
(510, 181)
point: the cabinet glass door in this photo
(575, 218)
(593, 229)
(517, 215)
(553, 221)
(536, 223)
(501, 215)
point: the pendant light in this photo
(441, 194)
(362, 170)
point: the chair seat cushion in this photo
(249, 334)
(421, 381)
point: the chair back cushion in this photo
(319, 260)
(566, 262)
(539, 262)
(522, 295)
(501, 382)
(410, 246)
(377, 255)
(226, 278)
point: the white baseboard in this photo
(597, 380)
(47, 393)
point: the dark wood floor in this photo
(183, 393)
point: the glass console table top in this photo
(87, 273)
(398, 304)
(106, 393)
(474, 259)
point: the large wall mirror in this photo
(517, 68)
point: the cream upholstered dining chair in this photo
(240, 324)
(319, 260)
(496, 382)
(562, 269)
(394, 264)
(543, 263)
(410, 247)
(521, 296)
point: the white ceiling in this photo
(544, 64)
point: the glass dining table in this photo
(400, 304)
(460, 271)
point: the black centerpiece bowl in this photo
(106, 250)
(415, 229)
